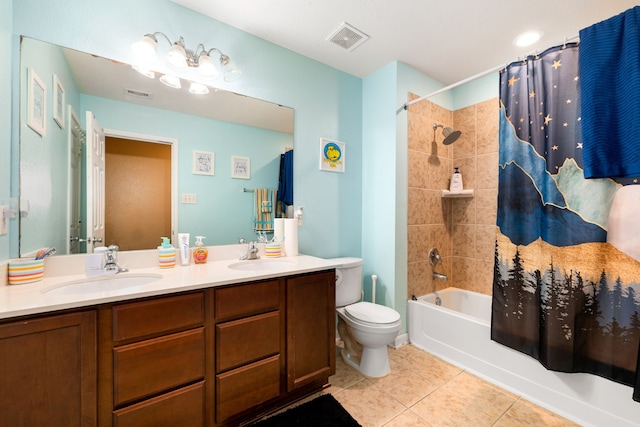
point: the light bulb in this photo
(177, 57)
(145, 49)
(206, 68)
(229, 69)
(144, 71)
(198, 88)
(171, 81)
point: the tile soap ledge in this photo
(446, 194)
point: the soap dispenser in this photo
(456, 181)
(200, 253)
(166, 254)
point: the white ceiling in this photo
(448, 40)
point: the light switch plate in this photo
(4, 221)
(189, 199)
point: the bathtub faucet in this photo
(439, 276)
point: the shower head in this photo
(450, 135)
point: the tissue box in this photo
(25, 270)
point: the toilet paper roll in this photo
(278, 229)
(291, 237)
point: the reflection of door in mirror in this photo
(75, 182)
(138, 193)
(95, 182)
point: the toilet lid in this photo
(372, 313)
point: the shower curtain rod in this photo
(474, 77)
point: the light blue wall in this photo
(379, 238)
(476, 91)
(223, 212)
(327, 102)
(384, 191)
(45, 163)
(5, 114)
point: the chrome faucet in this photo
(111, 261)
(252, 252)
(439, 276)
(434, 259)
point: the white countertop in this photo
(31, 298)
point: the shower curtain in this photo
(561, 292)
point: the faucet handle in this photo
(113, 248)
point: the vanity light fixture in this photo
(183, 59)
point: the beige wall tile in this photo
(464, 240)
(417, 171)
(419, 279)
(485, 242)
(417, 206)
(467, 167)
(463, 230)
(418, 242)
(487, 171)
(487, 126)
(464, 210)
(486, 206)
(464, 120)
(464, 273)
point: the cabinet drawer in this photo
(144, 318)
(245, 387)
(183, 407)
(244, 300)
(246, 340)
(153, 366)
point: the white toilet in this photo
(365, 328)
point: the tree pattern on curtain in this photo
(561, 293)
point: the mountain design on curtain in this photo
(561, 293)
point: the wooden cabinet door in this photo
(310, 329)
(48, 371)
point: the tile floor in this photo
(425, 391)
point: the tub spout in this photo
(439, 276)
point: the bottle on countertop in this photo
(200, 253)
(456, 181)
(166, 254)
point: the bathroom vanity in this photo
(200, 353)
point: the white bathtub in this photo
(459, 331)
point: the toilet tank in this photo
(348, 280)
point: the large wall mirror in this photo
(156, 137)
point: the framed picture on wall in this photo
(240, 167)
(332, 155)
(203, 162)
(58, 102)
(36, 103)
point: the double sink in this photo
(127, 281)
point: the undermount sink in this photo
(102, 284)
(261, 265)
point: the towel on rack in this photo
(610, 92)
(285, 180)
(263, 208)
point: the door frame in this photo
(173, 142)
(75, 131)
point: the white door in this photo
(95, 183)
(75, 175)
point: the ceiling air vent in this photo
(137, 93)
(348, 37)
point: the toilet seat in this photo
(374, 314)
